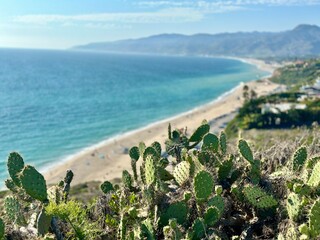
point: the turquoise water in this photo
(55, 103)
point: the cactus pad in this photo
(150, 170)
(150, 151)
(225, 169)
(34, 183)
(43, 222)
(126, 179)
(203, 185)
(210, 142)
(10, 185)
(255, 172)
(312, 162)
(217, 202)
(259, 198)
(2, 229)
(314, 180)
(299, 158)
(15, 166)
(177, 210)
(106, 187)
(293, 206)
(245, 150)
(13, 210)
(157, 147)
(211, 217)
(314, 220)
(142, 147)
(199, 133)
(134, 153)
(223, 142)
(181, 172)
(198, 229)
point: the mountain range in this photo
(302, 41)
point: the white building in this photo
(281, 107)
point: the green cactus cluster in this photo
(196, 186)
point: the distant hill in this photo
(302, 41)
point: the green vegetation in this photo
(252, 114)
(299, 73)
(205, 189)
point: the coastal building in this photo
(312, 91)
(281, 107)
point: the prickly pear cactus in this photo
(314, 180)
(217, 202)
(198, 229)
(212, 216)
(314, 220)
(177, 210)
(172, 231)
(106, 187)
(150, 151)
(2, 229)
(225, 169)
(210, 142)
(15, 166)
(43, 222)
(157, 147)
(55, 194)
(11, 185)
(299, 158)
(245, 151)
(145, 231)
(223, 142)
(142, 147)
(134, 153)
(203, 185)
(127, 179)
(312, 162)
(255, 172)
(293, 206)
(13, 210)
(150, 170)
(199, 133)
(259, 198)
(181, 172)
(34, 183)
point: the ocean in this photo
(53, 104)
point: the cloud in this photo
(162, 11)
(170, 15)
(222, 4)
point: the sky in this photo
(61, 24)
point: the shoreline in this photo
(107, 159)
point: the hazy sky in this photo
(65, 23)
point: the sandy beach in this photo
(107, 160)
